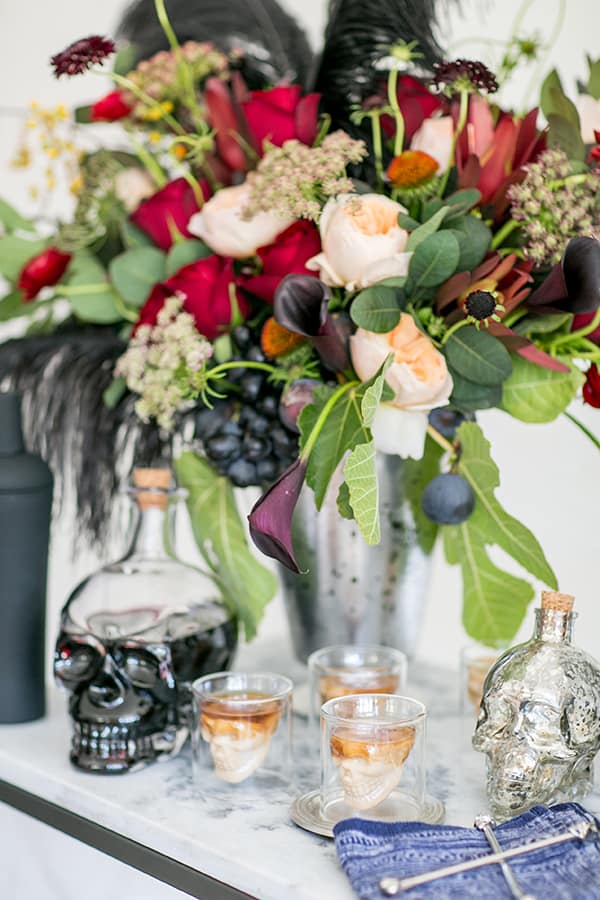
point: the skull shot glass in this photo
(242, 726)
(373, 757)
(342, 670)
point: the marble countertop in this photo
(230, 833)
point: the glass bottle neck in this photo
(154, 536)
(553, 625)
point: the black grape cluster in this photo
(243, 436)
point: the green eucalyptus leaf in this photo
(407, 222)
(378, 308)
(246, 584)
(12, 306)
(435, 260)
(125, 60)
(427, 228)
(360, 472)
(478, 356)
(461, 202)
(417, 474)
(546, 324)
(490, 519)
(469, 396)
(12, 220)
(135, 272)
(91, 296)
(132, 236)
(566, 136)
(535, 394)
(494, 602)
(15, 252)
(184, 253)
(593, 84)
(474, 239)
(83, 114)
(554, 101)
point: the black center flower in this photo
(464, 75)
(480, 305)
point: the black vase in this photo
(25, 511)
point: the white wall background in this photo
(550, 473)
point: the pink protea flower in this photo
(81, 55)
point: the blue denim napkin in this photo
(369, 851)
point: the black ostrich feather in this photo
(357, 35)
(274, 46)
(90, 448)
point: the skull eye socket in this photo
(141, 668)
(75, 662)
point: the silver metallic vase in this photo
(353, 593)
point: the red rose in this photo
(206, 287)
(110, 108)
(591, 388)
(42, 271)
(168, 212)
(416, 103)
(281, 114)
(287, 254)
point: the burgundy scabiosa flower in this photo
(461, 75)
(81, 55)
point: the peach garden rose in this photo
(418, 376)
(362, 241)
(221, 224)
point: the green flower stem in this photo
(513, 317)
(149, 162)
(441, 440)
(195, 186)
(460, 324)
(184, 72)
(77, 290)
(240, 364)
(149, 101)
(504, 232)
(392, 89)
(127, 313)
(463, 113)
(318, 426)
(377, 146)
(580, 333)
(583, 429)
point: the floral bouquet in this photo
(296, 297)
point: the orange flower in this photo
(411, 169)
(276, 340)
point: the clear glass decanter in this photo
(539, 722)
(134, 636)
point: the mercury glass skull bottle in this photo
(539, 722)
(133, 638)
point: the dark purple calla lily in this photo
(301, 304)
(573, 285)
(271, 517)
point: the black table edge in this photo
(122, 848)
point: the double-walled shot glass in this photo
(342, 670)
(242, 726)
(373, 758)
(475, 662)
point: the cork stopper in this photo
(559, 602)
(158, 481)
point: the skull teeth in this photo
(108, 742)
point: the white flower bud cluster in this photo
(160, 362)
